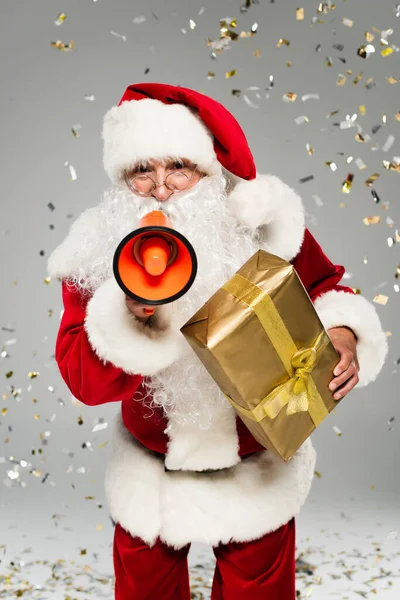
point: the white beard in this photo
(185, 390)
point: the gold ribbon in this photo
(299, 393)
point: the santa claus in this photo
(183, 467)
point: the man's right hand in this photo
(139, 310)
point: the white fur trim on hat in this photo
(118, 337)
(268, 204)
(337, 308)
(149, 129)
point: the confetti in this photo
(60, 19)
(356, 80)
(360, 164)
(365, 51)
(388, 144)
(91, 98)
(346, 185)
(392, 80)
(210, 75)
(347, 22)
(371, 179)
(192, 24)
(99, 427)
(371, 220)
(139, 20)
(310, 150)
(72, 171)
(282, 42)
(341, 79)
(387, 51)
(381, 299)
(317, 200)
(392, 166)
(62, 46)
(306, 179)
(299, 14)
(331, 165)
(375, 196)
(337, 430)
(396, 9)
(369, 36)
(306, 97)
(328, 61)
(118, 35)
(75, 130)
(249, 102)
(289, 97)
(301, 119)
(230, 74)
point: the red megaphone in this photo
(155, 264)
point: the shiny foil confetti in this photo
(59, 45)
(118, 35)
(72, 171)
(299, 14)
(387, 51)
(282, 42)
(347, 22)
(371, 220)
(346, 186)
(392, 166)
(60, 19)
(371, 179)
(290, 97)
(381, 299)
(230, 74)
(337, 430)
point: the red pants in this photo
(260, 570)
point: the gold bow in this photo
(299, 393)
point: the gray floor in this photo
(349, 552)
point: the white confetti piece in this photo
(317, 200)
(388, 144)
(249, 102)
(347, 22)
(139, 20)
(72, 171)
(360, 163)
(301, 119)
(337, 430)
(118, 35)
(99, 427)
(306, 97)
(91, 98)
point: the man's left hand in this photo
(346, 371)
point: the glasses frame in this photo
(158, 183)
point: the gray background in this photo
(43, 96)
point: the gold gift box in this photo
(261, 340)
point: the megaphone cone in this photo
(155, 264)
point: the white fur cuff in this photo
(267, 201)
(118, 337)
(339, 308)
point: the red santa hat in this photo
(155, 120)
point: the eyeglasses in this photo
(176, 181)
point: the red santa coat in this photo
(103, 356)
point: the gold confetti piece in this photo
(4, 412)
(59, 45)
(75, 129)
(47, 280)
(60, 19)
(391, 166)
(318, 474)
(341, 79)
(210, 75)
(99, 527)
(9, 374)
(347, 22)
(387, 51)
(363, 110)
(381, 299)
(371, 220)
(283, 42)
(328, 61)
(50, 312)
(36, 417)
(290, 97)
(359, 138)
(299, 14)
(80, 420)
(369, 36)
(288, 64)
(257, 53)
(392, 80)
(331, 165)
(371, 179)
(230, 74)
(357, 79)
(310, 150)
(346, 186)
(337, 430)
(33, 374)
